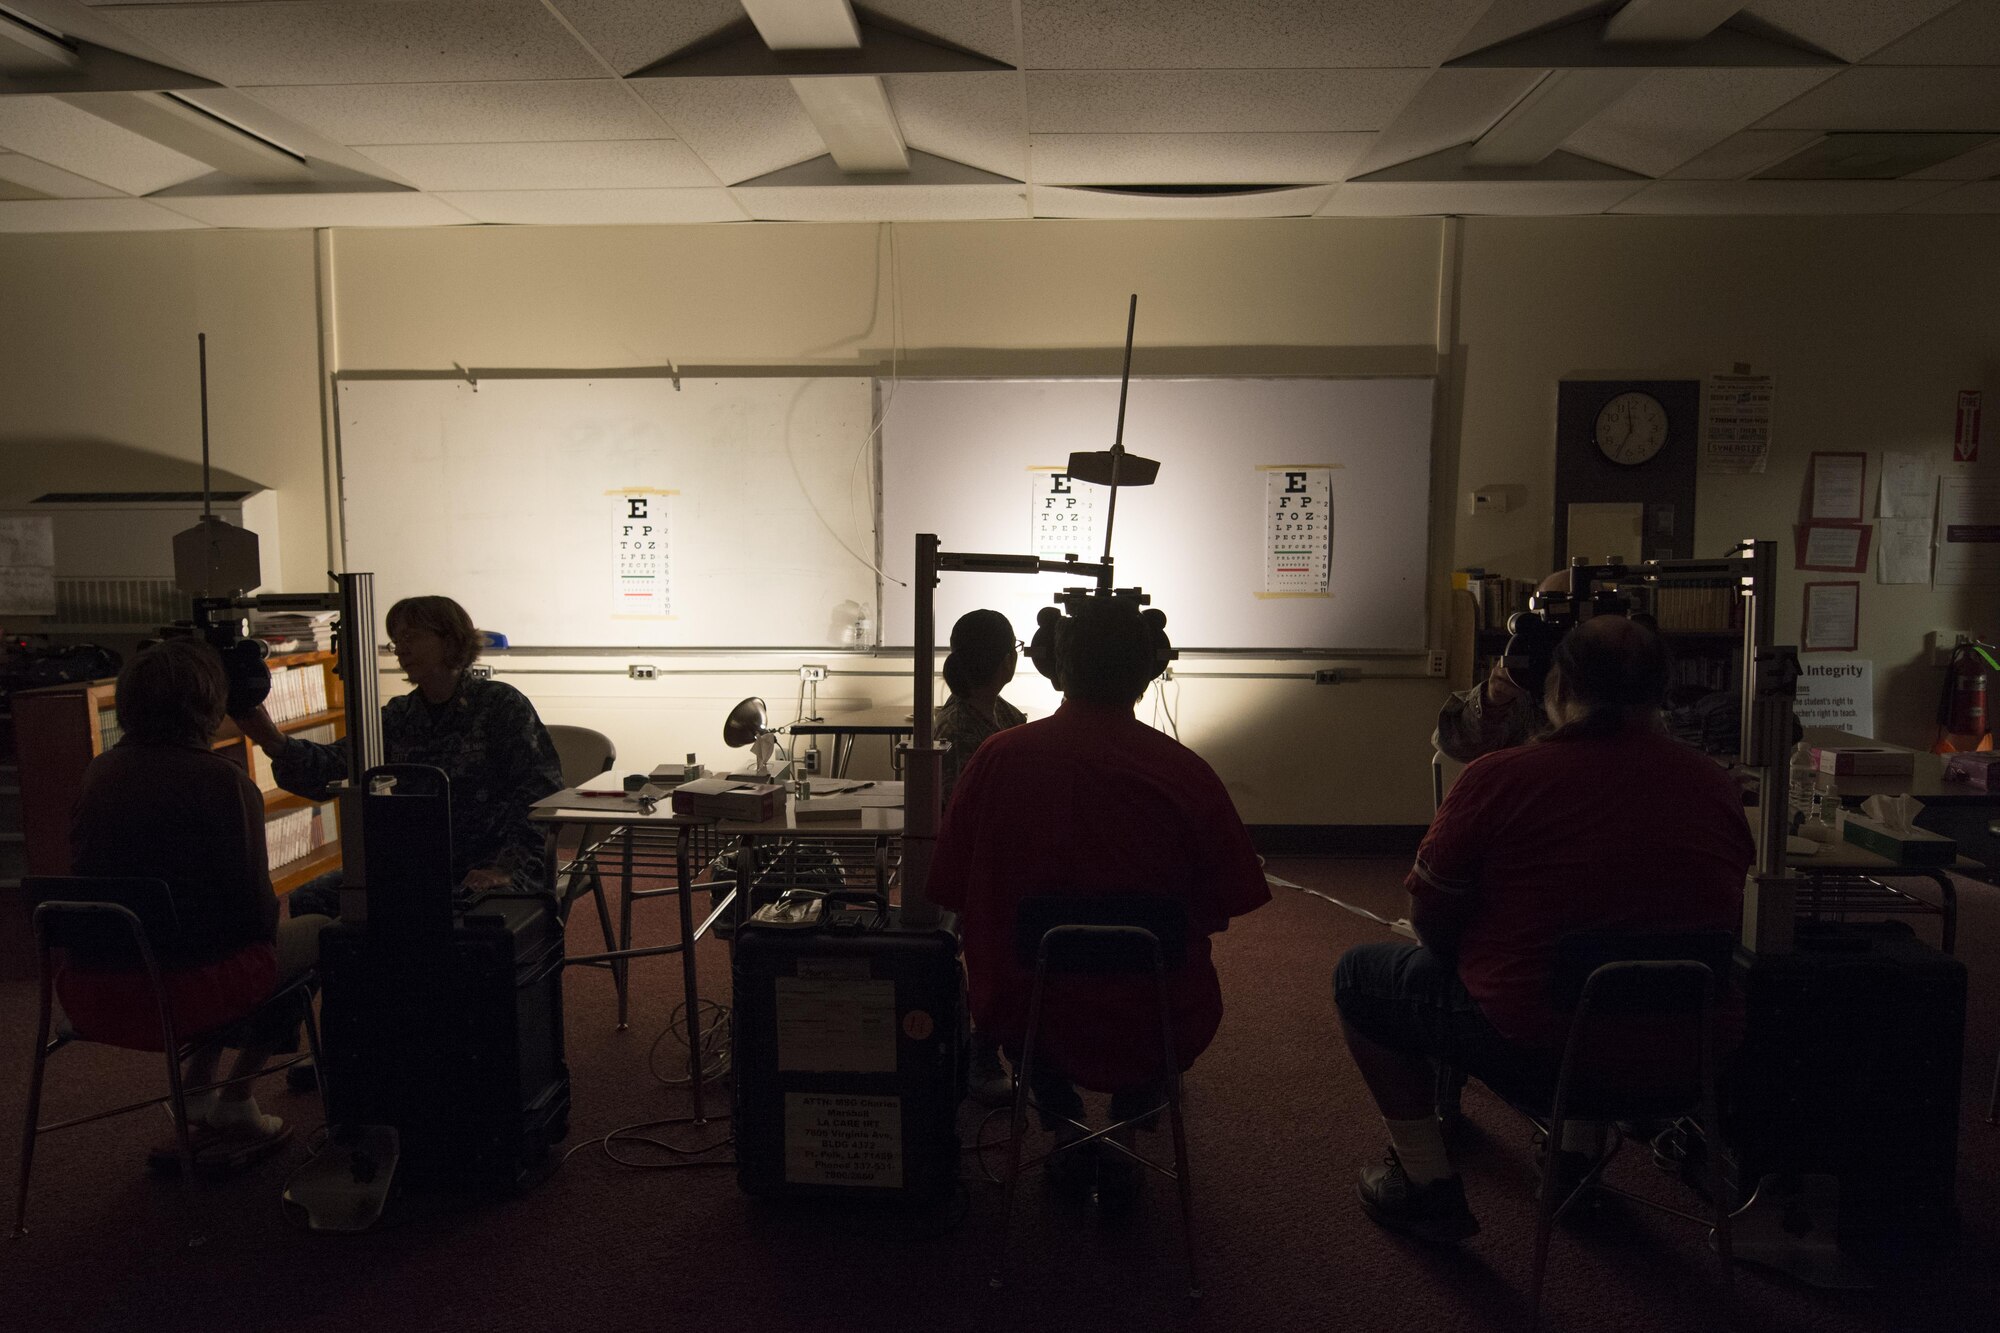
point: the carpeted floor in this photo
(1278, 1122)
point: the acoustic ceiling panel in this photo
(58, 133)
(883, 203)
(1967, 35)
(1505, 20)
(1977, 197)
(985, 26)
(1743, 154)
(1511, 198)
(632, 34)
(1850, 29)
(610, 165)
(411, 41)
(1888, 97)
(1195, 159)
(970, 118)
(54, 182)
(1673, 114)
(1453, 107)
(1193, 101)
(374, 209)
(596, 207)
(1274, 34)
(520, 112)
(742, 128)
(1982, 163)
(1745, 198)
(90, 215)
(1053, 201)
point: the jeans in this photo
(1057, 1100)
(1405, 998)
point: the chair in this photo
(116, 920)
(584, 754)
(1607, 982)
(1131, 934)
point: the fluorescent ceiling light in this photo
(805, 25)
(1557, 107)
(1669, 20)
(195, 133)
(27, 50)
(853, 116)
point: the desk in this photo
(892, 722)
(856, 847)
(1840, 878)
(1926, 780)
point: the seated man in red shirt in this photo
(1092, 802)
(1606, 823)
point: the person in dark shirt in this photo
(484, 734)
(162, 805)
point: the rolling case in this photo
(849, 1056)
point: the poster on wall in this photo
(1062, 516)
(1968, 531)
(1837, 547)
(1298, 531)
(28, 566)
(1837, 692)
(1736, 421)
(1833, 618)
(641, 578)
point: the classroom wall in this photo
(1872, 324)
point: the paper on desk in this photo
(1908, 486)
(1905, 550)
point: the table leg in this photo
(619, 965)
(691, 994)
(1948, 902)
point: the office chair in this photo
(1608, 982)
(116, 921)
(584, 754)
(1134, 935)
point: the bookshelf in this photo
(60, 729)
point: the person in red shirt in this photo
(1093, 802)
(1606, 823)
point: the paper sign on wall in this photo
(1833, 617)
(1837, 692)
(1968, 531)
(28, 566)
(641, 574)
(1736, 421)
(1063, 516)
(842, 1139)
(1298, 530)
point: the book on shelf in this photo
(297, 692)
(1710, 607)
(299, 833)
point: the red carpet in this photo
(1278, 1122)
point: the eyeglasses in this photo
(1020, 648)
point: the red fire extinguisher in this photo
(1963, 722)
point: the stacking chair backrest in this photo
(1101, 933)
(583, 753)
(109, 923)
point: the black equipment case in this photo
(463, 1052)
(849, 1056)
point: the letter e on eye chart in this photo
(641, 568)
(1298, 530)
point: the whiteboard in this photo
(959, 459)
(511, 496)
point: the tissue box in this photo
(1974, 770)
(1913, 847)
(1864, 761)
(719, 798)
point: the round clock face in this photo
(1631, 428)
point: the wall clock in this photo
(1631, 443)
(1631, 428)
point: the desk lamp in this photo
(749, 723)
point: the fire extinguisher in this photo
(1962, 717)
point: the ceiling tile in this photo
(52, 181)
(90, 215)
(1982, 163)
(610, 165)
(596, 207)
(1193, 101)
(970, 118)
(1674, 114)
(1508, 19)
(883, 203)
(1053, 201)
(466, 112)
(1453, 107)
(1274, 34)
(1511, 198)
(1743, 154)
(1978, 197)
(742, 128)
(985, 26)
(76, 141)
(1873, 97)
(1195, 159)
(1850, 29)
(1967, 35)
(373, 209)
(411, 41)
(1718, 198)
(632, 34)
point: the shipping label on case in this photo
(834, 1138)
(836, 1025)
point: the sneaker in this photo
(1435, 1212)
(990, 1084)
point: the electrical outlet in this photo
(1943, 641)
(812, 675)
(1329, 675)
(479, 671)
(642, 671)
(811, 761)
(1434, 662)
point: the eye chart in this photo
(1064, 518)
(641, 582)
(1298, 530)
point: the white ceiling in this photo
(456, 112)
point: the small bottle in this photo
(1803, 784)
(693, 770)
(1828, 811)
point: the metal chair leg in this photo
(30, 1129)
(1171, 1061)
(1023, 1079)
(1545, 1213)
